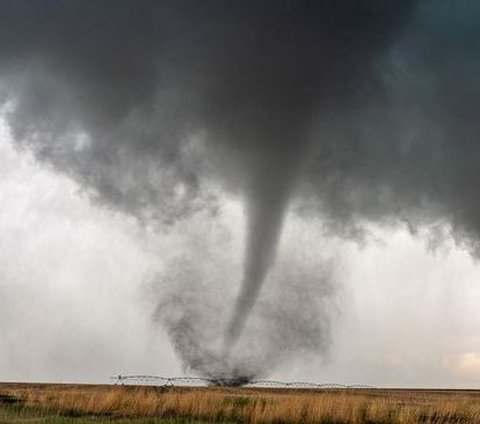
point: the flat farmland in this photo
(67, 403)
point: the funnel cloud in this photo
(355, 112)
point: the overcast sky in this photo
(243, 189)
(75, 295)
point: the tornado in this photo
(356, 111)
(267, 203)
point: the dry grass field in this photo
(242, 405)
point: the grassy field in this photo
(37, 403)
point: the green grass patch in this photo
(11, 413)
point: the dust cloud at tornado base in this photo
(354, 112)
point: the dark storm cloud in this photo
(411, 155)
(357, 110)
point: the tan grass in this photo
(255, 406)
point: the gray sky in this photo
(240, 189)
(75, 298)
